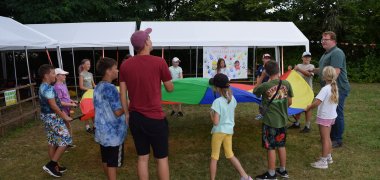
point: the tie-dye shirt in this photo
(46, 92)
(110, 130)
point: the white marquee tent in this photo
(232, 33)
(89, 35)
(16, 36)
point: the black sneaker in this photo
(283, 174)
(53, 171)
(93, 130)
(265, 176)
(72, 146)
(89, 130)
(336, 144)
(305, 130)
(172, 114)
(62, 169)
(180, 114)
(294, 126)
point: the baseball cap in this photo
(175, 59)
(138, 38)
(220, 80)
(306, 53)
(266, 56)
(60, 71)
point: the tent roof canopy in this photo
(222, 33)
(16, 36)
(97, 34)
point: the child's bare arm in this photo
(123, 99)
(214, 117)
(316, 103)
(71, 104)
(290, 101)
(119, 112)
(55, 108)
(304, 72)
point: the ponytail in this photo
(226, 93)
(329, 75)
(334, 92)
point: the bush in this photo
(364, 70)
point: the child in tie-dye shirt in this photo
(110, 122)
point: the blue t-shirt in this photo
(259, 71)
(226, 113)
(110, 130)
(47, 92)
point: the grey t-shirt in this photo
(336, 58)
(307, 67)
(87, 79)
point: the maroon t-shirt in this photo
(143, 75)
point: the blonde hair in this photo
(329, 75)
(81, 68)
(225, 92)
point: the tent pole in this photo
(254, 65)
(75, 76)
(282, 59)
(102, 53)
(162, 53)
(14, 66)
(196, 63)
(117, 62)
(27, 63)
(277, 52)
(93, 65)
(190, 59)
(60, 58)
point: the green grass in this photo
(24, 151)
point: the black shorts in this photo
(112, 155)
(148, 132)
(273, 138)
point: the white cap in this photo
(266, 55)
(175, 59)
(306, 53)
(60, 71)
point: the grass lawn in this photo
(23, 152)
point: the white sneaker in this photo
(330, 160)
(321, 164)
(248, 178)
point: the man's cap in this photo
(175, 59)
(60, 71)
(306, 53)
(220, 80)
(139, 38)
(266, 56)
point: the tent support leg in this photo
(27, 63)
(75, 76)
(14, 66)
(196, 63)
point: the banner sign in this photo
(10, 97)
(236, 60)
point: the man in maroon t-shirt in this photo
(142, 75)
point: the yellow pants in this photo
(217, 140)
